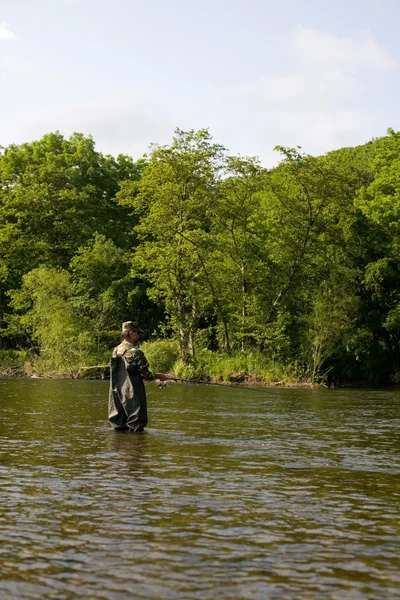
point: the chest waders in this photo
(127, 404)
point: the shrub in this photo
(13, 358)
(236, 367)
(161, 354)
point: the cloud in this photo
(343, 125)
(331, 129)
(304, 88)
(325, 100)
(323, 50)
(5, 33)
(316, 133)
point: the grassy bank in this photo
(163, 356)
(239, 368)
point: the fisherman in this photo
(127, 405)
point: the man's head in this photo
(130, 331)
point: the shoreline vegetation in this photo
(237, 274)
(242, 381)
(209, 368)
(235, 371)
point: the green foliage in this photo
(54, 195)
(101, 282)
(329, 328)
(48, 316)
(161, 354)
(237, 251)
(235, 368)
(13, 358)
(174, 195)
(248, 269)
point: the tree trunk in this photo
(227, 345)
(192, 329)
(244, 303)
(183, 334)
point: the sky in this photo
(320, 74)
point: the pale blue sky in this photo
(319, 74)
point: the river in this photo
(232, 493)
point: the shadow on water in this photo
(282, 493)
(129, 452)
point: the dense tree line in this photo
(298, 264)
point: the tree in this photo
(238, 246)
(379, 203)
(54, 194)
(49, 318)
(174, 196)
(104, 290)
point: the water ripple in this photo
(281, 494)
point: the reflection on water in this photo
(229, 493)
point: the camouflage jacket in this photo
(136, 361)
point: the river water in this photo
(230, 493)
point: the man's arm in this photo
(142, 366)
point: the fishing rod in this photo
(199, 382)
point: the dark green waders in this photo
(127, 404)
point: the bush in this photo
(238, 367)
(13, 358)
(161, 354)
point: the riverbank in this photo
(207, 367)
(102, 373)
(94, 373)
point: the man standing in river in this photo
(127, 404)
